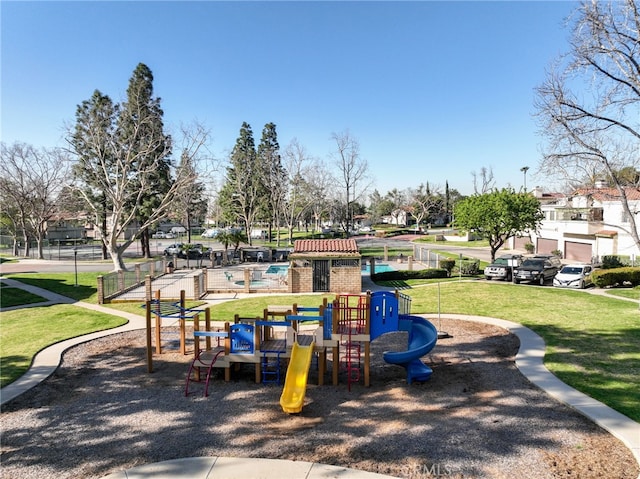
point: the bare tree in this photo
(484, 181)
(307, 185)
(424, 202)
(31, 180)
(320, 190)
(589, 105)
(352, 176)
(10, 220)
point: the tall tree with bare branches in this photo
(30, 182)
(589, 104)
(351, 177)
(307, 186)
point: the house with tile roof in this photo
(331, 265)
(586, 225)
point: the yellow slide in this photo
(295, 384)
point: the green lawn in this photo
(631, 293)
(16, 297)
(592, 341)
(63, 283)
(24, 332)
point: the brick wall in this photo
(346, 280)
(342, 280)
(301, 280)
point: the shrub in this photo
(611, 261)
(430, 273)
(557, 252)
(625, 276)
(529, 248)
(447, 265)
(470, 268)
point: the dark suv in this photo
(537, 269)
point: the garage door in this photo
(546, 246)
(581, 252)
(519, 242)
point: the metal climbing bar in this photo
(204, 359)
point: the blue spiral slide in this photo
(422, 338)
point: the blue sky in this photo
(431, 90)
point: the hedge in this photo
(626, 276)
(430, 273)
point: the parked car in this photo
(159, 234)
(173, 249)
(211, 233)
(537, 269)
(193, 251)
(574, 276)
(502, 267)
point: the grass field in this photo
(24, 332)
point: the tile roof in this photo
(326, 246)
(607, 233)
(608, 194)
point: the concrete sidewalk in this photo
(241, 468)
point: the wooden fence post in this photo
(100, 289)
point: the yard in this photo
(591, 339)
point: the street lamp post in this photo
(524, 170)
(75, 263)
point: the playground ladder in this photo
(351, 361)
(270, 366)
(204, 359)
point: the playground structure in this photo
(294, 335)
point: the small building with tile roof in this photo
(325, 266)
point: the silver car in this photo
(573, 276)
(173, 249)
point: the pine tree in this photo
(123, 170)
(240, 194)
(274, 177)
(141, 133)
(92, 142)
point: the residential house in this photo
(398, 217)
(586, 225)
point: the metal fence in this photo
(63, 250)
(111, 285)
(404, 304)
(248, 279)
(426, 256)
